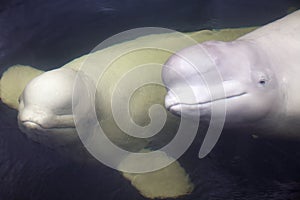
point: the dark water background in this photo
(46, 34)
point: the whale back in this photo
(127, 60)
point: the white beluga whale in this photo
(46, 98)
(256, 77)
(46, 116)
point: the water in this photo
(47, 34)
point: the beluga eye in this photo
(261, 79)
(262, 82)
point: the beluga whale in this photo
(45, 103)
(255, 76)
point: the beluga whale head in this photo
(235, 73)
(45, 108)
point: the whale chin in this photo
(192, 111)
(54, 137)
(35, 127)
(31, 125)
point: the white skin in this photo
(259, 72)
(45, 107)
(248, 84)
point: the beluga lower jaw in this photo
(189, 109)
(201, 107)
(31, 125)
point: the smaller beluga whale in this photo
(255, 76)
(45, 112)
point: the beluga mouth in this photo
(202, 98)
(31, 125)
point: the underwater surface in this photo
(48, 34)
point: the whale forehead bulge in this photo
(46, 102)
(52, 90)
(198, 69)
